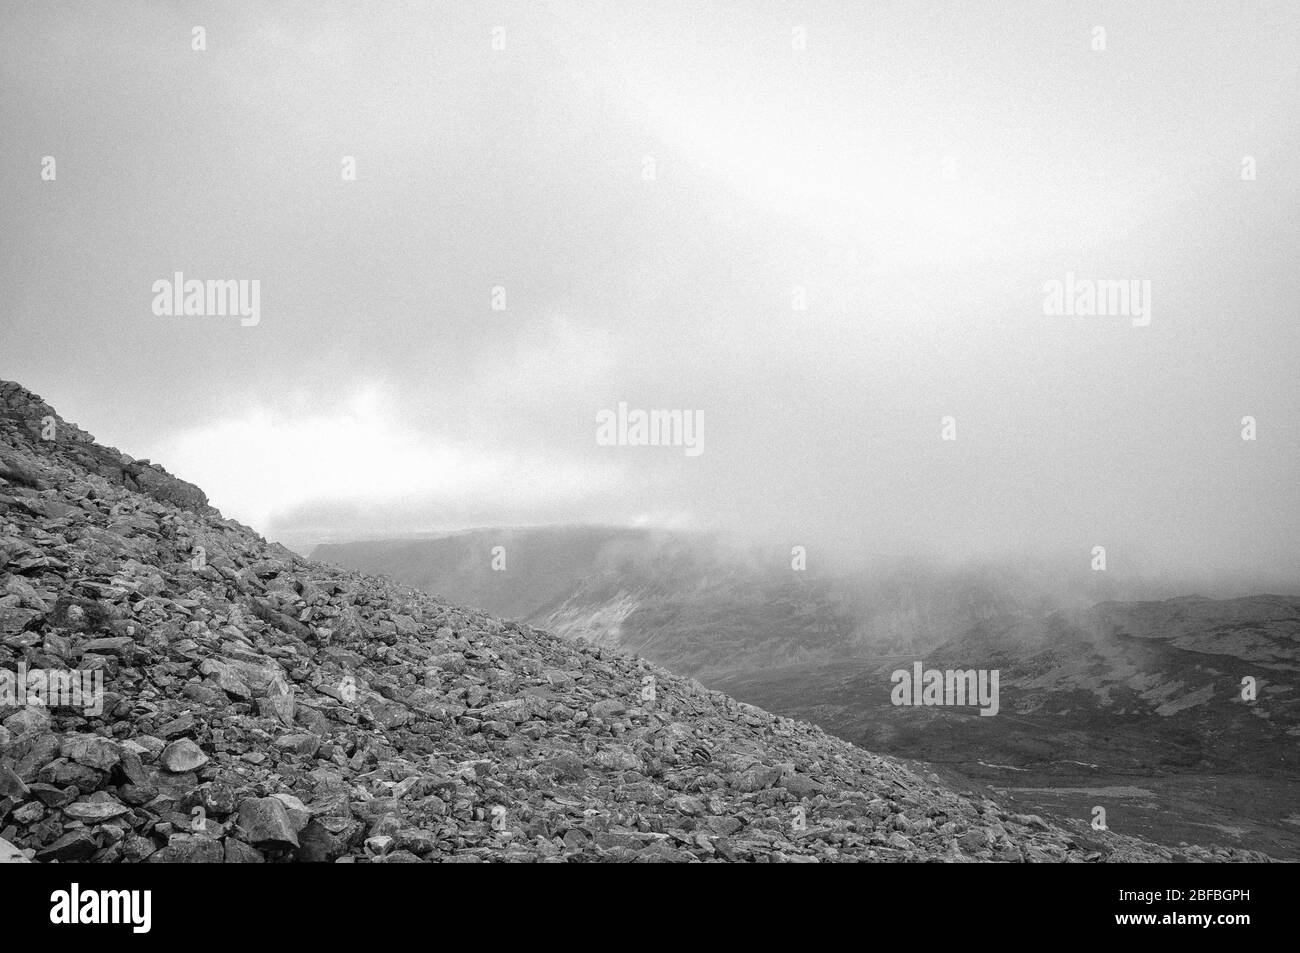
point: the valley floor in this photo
(1172, 808)
(1152, 781)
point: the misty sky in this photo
(922, 170)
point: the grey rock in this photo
(182, 755)
(264, 822)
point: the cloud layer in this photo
(825, 251)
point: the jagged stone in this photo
(11, 785)
(189, 849)
(182, 755)
(237, 852)
(9, 854)
(75, 845)
(91, 750)
(93, 812)
(264, 822)
(325, 839)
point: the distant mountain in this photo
(540, 565)
(700, 605)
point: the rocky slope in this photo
(258, 706)
(1098, 696)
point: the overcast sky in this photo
(921, 170)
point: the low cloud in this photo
(364, 457)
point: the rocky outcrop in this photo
(257, 706)
(62, 446)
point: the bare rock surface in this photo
(258, 706)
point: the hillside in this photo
(260, 706)
(1131, 705)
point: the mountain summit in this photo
(250, 705)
